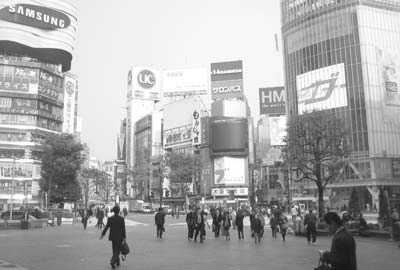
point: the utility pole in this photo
(12, 187)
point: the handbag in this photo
(125, 248)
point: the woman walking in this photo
(227, 224)
(283, 225)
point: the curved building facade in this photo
(36, 45)
(343, 56)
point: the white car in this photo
(67, 218)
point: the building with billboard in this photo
(343, 56)
(229, 151)
(183, 133)
(147, 150)
(36, 46)
(183, 83)
(143, 92)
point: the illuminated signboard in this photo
(229, 171)
(18, 79)
(144, 83)
(227, 80)
(322, 89)
(35, 16)
(272, 100)
(177, 136)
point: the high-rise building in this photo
(343, 56)
(36, 46)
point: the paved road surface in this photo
(70, 247)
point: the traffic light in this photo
(167, 193)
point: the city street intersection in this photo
(70, 247)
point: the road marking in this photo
(63, 246)
(3, 235)
(5, 265)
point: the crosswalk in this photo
(9, 266)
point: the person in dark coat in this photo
(310, 222)
(273, 222)
(191, 222)
(160, 220)
(343, 249)
(239, 224)
(117, 235)
(217, 219)
(257, 228)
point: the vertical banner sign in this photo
(196, 128)
(70, 86)
(227, 80)
(272, 100)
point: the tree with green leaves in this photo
(316, 149)
(183, 169)
(94, 182)
(354, 203)
(61, 162)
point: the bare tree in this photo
(315, 150)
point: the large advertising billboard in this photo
(322, 89)
(272, 100)
(229, 136)
(390, 72)
(177, 136)
(19, 79)
(144, 83)
(277, 127)
(227, 80)
(71, 88)
(42, 29)
(229, 171)
(184, 82)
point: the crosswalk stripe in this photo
(5, 265)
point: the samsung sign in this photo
(35, 16)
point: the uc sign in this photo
(146, 79)
(35, 16)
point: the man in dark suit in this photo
(191, 222)
(343, 249)
(117, 235)
(310, 222)
(159, 219)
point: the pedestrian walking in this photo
(273, 222)
(59, 217)
(117, 235)
(217, 219)
(100, 217)
(226, 223)
(160, 220)
(262, 219)
(310, 223)
(200, 225)
(125, 211)
(343, 249)
(84, 215)
(283, 226)
(191, 222)
(233, 215)
(257, 229)
(239, 224)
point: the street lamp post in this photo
(12, 188)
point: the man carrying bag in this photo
(117, 235)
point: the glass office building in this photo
(343, 56)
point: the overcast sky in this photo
(113, 36)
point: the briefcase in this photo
(125, 248)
